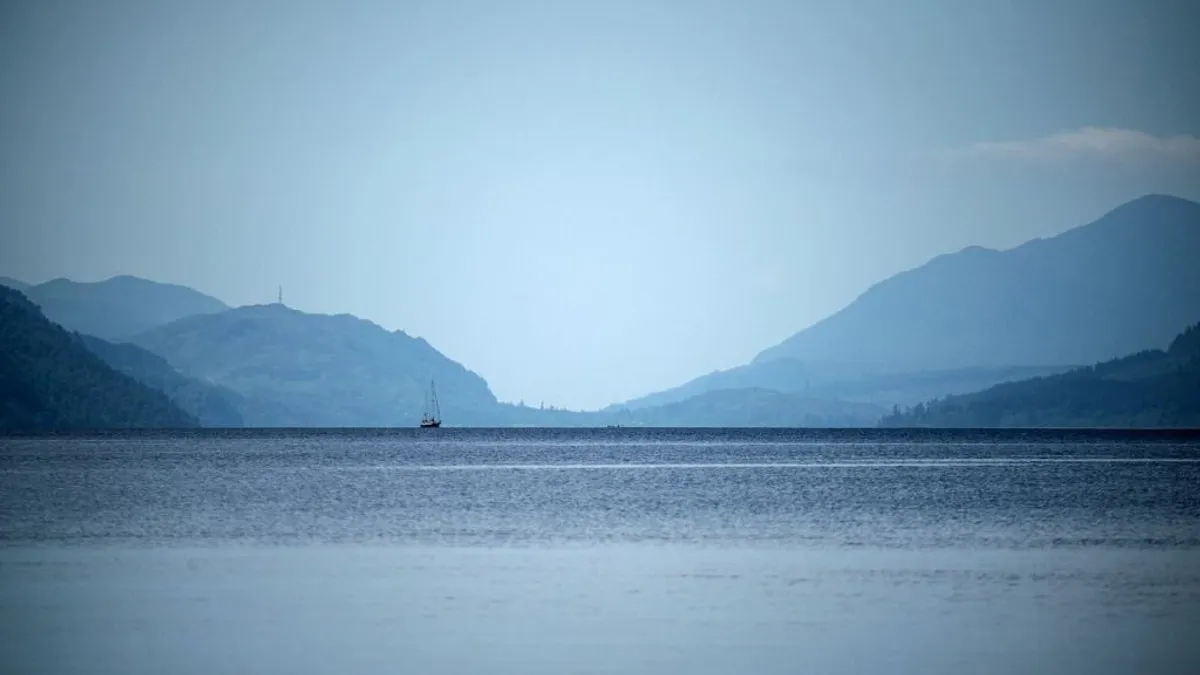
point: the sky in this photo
(583, 202)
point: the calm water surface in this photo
(603, 551)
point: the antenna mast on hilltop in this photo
(281, 294)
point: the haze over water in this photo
(600, 551)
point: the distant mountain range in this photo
(966, 321)
(340, 371)
(752, 407)
(962, 323)
(272, 366)
(855, 384)
(14, 284)
(117, 308)
(1123, 283)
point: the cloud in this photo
(1098, 143)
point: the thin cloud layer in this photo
(1087, 142)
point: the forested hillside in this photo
(49, 380)
(1153, 388)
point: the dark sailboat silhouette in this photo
(431, 418)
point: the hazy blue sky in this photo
(581, 201)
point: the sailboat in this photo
(432, 417)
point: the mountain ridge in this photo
(959, 323)
(120, 306)
(958, 313)
(1151, 239)
(15, 284)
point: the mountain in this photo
(979, 317)
(119, 307)
(787, 375)
(1152, 388)
(749, 407)
(289, 368)
(840, 381)
(14, 284)
(49, 380)
(213, 406)
(753, 407)
(1126, 282)
(299, 369)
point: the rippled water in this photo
(603, 551)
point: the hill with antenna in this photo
(270, 366)
(319, 369)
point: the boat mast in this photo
(437, 408)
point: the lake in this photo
(600, 551)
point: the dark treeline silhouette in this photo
(1152, 388)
